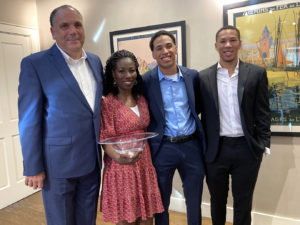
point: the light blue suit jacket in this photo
(58, 128)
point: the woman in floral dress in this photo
(130, 193)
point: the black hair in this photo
(158, 34)
(228, 27)
(111, 64)
(53, 13)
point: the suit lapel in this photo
(156, 91)
(63, 69)
(189, 87)
(212, 77)
(243, 75)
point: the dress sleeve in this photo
(107, 119)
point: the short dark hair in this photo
(111, 64)
(53, 13)
(158, 34)
(228, 27)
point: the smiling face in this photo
(164, 52)
(125, 74)
(68, 32)
(228, 45)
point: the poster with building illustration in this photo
(270, 34)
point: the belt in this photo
(180, 139)
(232, 139)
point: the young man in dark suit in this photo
(59, 119)
(236, 118)
(180, 145)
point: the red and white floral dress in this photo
(128, 191)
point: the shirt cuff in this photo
(267, 151)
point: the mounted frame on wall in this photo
(270, 34)
(137, 41)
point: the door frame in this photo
(33, 33)
(34, 46)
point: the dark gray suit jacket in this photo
(254, 108)
(153, 95)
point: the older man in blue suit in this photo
(170, 91)
(60, 93)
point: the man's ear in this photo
(53, 33)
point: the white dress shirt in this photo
(83, 75)
(230, 120)
(229, 111)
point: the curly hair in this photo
(111, 65)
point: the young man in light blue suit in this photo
(60, 93)
(170, 91)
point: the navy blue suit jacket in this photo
(58, 128)
(153, 95)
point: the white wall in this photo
(203, 18)
(19, 12)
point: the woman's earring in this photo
(135, 82)
(115, 83)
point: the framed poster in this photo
(270, 34)
(137, 41)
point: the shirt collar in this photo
(236, 68)
(162, 76)
(69, 59)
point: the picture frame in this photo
(137, 41)
(270, 35)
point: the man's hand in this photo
(36, 181)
